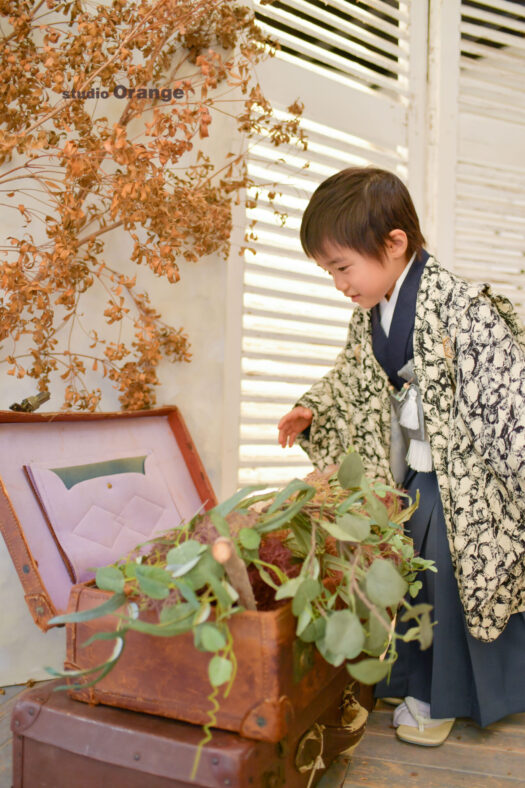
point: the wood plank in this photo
(505, 735)
(6, 706)
(6, 766)
(472, 757)
(489, 761)
(379, 772)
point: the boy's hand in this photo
(292, 424)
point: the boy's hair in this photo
(358, 208)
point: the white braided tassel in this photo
(409, 417)
(419, 456)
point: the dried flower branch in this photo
(71, 177)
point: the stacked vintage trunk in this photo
(276, 732)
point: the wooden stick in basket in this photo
(224, 552)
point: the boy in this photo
(430, 389)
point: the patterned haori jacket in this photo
(469, 359)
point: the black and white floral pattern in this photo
(469, 358)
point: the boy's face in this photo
(366, 280)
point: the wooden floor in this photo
(472, 757)
(7, 701)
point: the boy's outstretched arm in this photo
(291, 425)
(326, 439)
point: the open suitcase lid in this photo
(80, 490)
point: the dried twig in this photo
(224, 552)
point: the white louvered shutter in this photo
(350, 63)
(490, 198)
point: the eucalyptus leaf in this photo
(314, 568)
(266, 576)
(200, 575)
(167, 630)
(109, 578)
(356, 526)
(179, 570)
(338, 531)
(314, 631)
(426, 634)
(351, 471)
(153, 581)
(415, 610)
(347, 504)
(307, 590)
(203, 614)
(384, 585)
(296, 485)
(177, 612)
(249, 538)
(188, 594)
(361, 609)
(344, 634)
(220, 522)
(231, 503)
(219, 670)
(377, 510)
(112, 604)
(288, 589)
(210, 637)
(377, 637)
(369, 671)
(284, 517)
(223, 597)
(232, 593)
(332, 657)
(105, 636)
(301, 535)
(104, 668)
(185, 552)
(303, 619)
(247, 502)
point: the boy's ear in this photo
(397, 243)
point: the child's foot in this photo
(392, 701)
(414, 724)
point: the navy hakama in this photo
(458, 675)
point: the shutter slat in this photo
(361, 13)
(332, 39)
(324, 56)
(345, 24)
(294, 322)
(267, 335)
(319, 321)
(494, 19)
(496, 36)
(505, 6)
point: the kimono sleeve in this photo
(490, 393)
(323, 441)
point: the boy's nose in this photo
(339, 282)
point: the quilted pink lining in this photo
(100, 520)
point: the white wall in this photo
(198, 304)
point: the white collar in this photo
(386, 308)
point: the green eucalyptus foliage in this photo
(357, 568)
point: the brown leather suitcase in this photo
(60, 743)
(169, 676)
(43, 566)
(163, 676)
